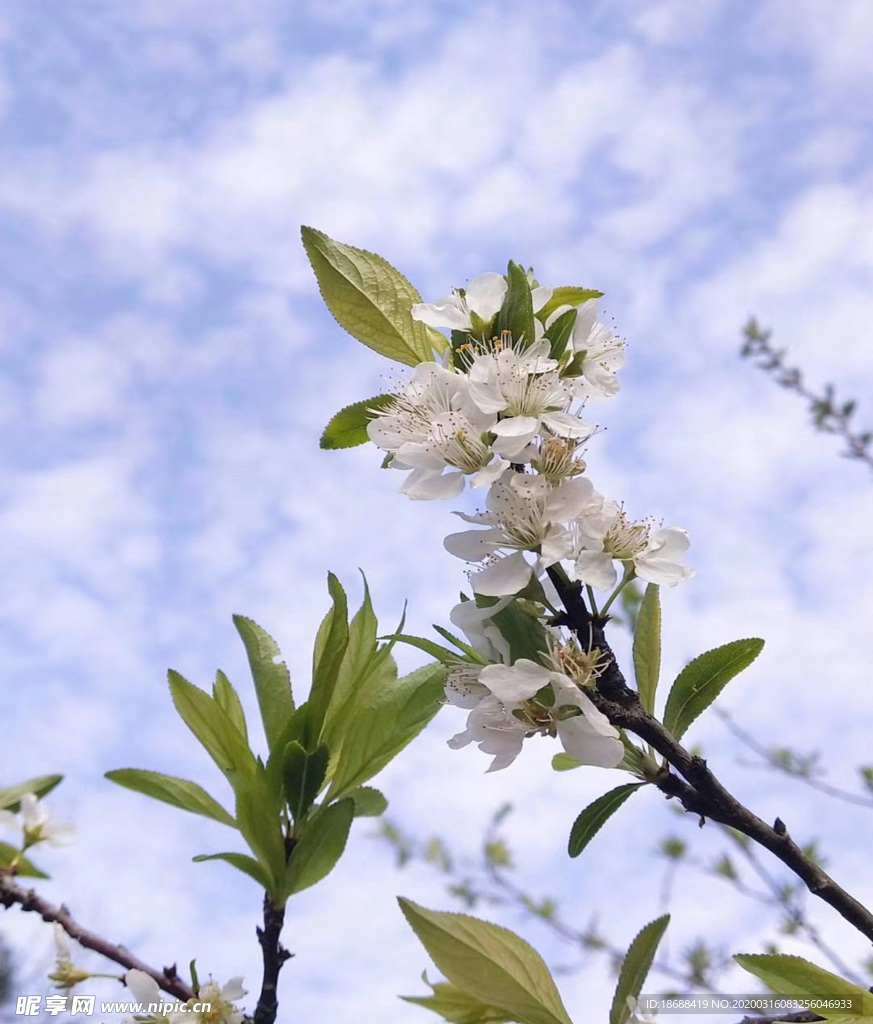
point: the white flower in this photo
(65, 975)
(221, 1000)
(525, 514)
(604, 354)
(482, 298)
(433, 426)
(496, 730)
(607, 535)
(525, 387)
(505, 712)
(35, 821)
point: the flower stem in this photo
(629, 573)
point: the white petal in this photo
(491, 473)
(487, 398)
(585, 320)
(585, 744)
(420, 456)
(556, 545)
(428, 484)
(473, 545)
(516, 683)
(449, 312)
(234, 990)
(570, 498)
(504, 577)
(143, 986)
(566, 425)
(596, 569)
(485, 294)
(540, 296)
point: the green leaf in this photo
(228, 700)
(24, 866)
(213, 729)
(457, 1006)
(271, 677)
(635, 968)
(10, 798)
(382, 729)
(361, 667)
(647, 647)
(471, 653)
(595, 816)
(241, 862)
(369, 802)
(435, 650)
(490, 963)
(794, 976)
(330, 649)
(702, 680)
(181, 793)
(319, 847)
(370, 299)
(567, 296)
(564, 763)
(516, 314)
(297, 729)
(524, 633)
(303, 774)
(559, 333)
(257, 817)
(348, 428)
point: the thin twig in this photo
(695, 786)
(774, 762)
(11, 893)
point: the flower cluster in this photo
(505, 410)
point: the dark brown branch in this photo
(696, 788)
(12, 893)
(274, 956)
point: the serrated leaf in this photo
(330, 649)
(794, 976)
(241, 862)
(271, 677)
(458, 1007)
(363, 664)
(702, 680)
(213, 729)
(23, 865)
(647, 647)
(435, 650)
(319, 847)
(596, 814)
(490, 963)
(169, 789)
(635, 968)
(370, 299)
(348, 428)
(228, 700)
(369, 802)
(567, 296)
(303, 774)
(10, 797)
(381, 730)
(516, 314)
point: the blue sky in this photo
(168, 369)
